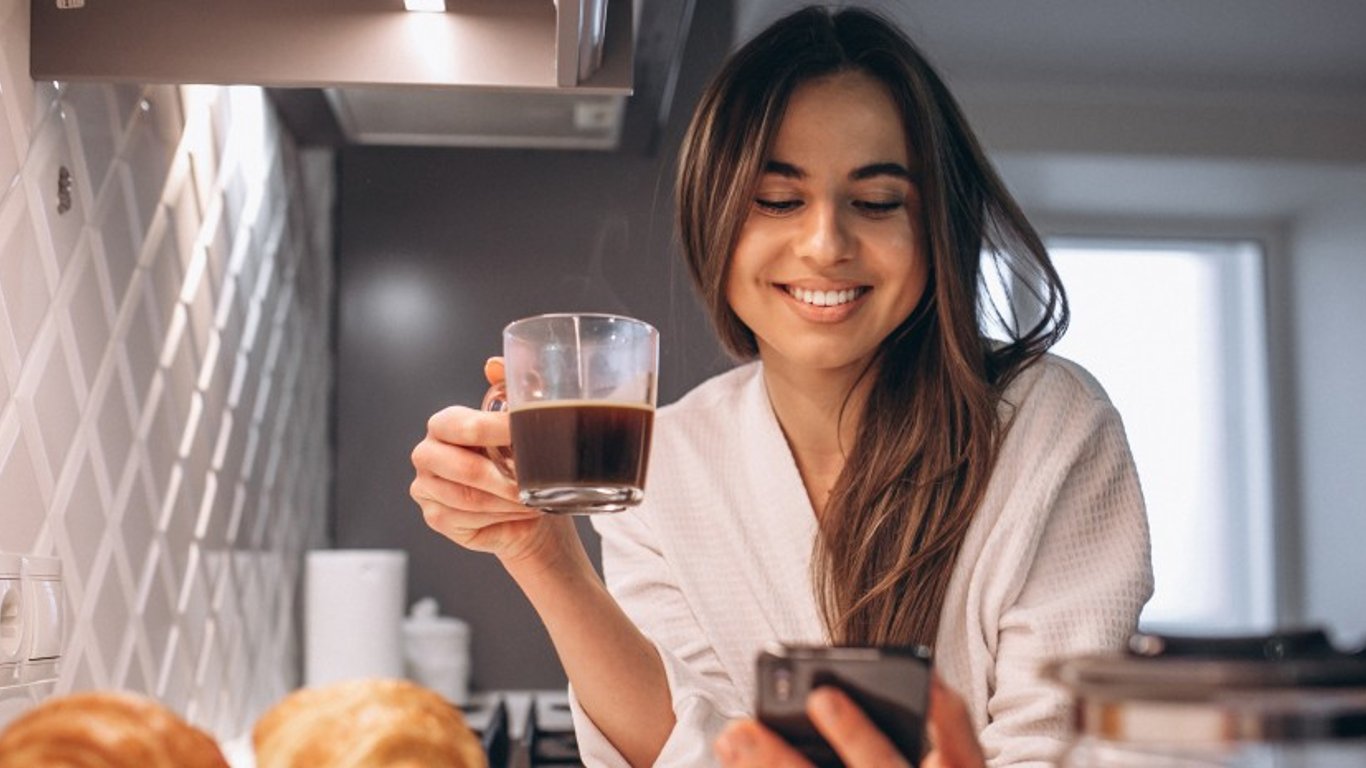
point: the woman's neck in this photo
(819, 418)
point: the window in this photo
(1175, 333)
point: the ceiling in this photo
(1277, 78)
(1245, 44)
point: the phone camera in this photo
(782, 683)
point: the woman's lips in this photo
(825, 297)
(825, 305)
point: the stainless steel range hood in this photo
(483, 73)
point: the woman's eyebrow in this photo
(881, 169)
(787, 170)
(790, 171)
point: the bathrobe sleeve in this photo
(640, 579)
(1084, 575)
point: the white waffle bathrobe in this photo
(716, 562)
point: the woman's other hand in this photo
(465, 496)
(859, 743)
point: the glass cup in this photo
(580, 390)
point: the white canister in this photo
(353, 614)
(436, 651)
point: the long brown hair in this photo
(930, 428)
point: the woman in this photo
(882, 474)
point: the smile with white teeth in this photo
(824, 298)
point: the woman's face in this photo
(831, 257)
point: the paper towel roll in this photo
(353, 614)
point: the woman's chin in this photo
(823, 356)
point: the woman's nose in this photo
(823, 238)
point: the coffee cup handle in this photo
(496, 401)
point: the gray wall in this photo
(438, 250)
(1330, 275)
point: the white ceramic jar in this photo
(436, 651)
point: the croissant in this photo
(105, 730)
(365, 723)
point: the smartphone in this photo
(890, 684)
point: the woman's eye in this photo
(777, 206)
(878, 207)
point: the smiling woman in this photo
(832, 258)
(878, 473)
(817, 181)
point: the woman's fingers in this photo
(460, 425)
(951, 731)
(494, 371)
(747, 744)
(462, 466)
(855, 738)
(463, 492)
(427, 486)
(456, 449)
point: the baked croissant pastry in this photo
(368, 723)
(105, 730)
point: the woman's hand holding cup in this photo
(465, 495)
(583, 388)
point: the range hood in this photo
(527, 73)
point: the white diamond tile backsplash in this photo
(165, 369)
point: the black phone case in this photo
(891, 686)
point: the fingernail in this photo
(825, 704)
